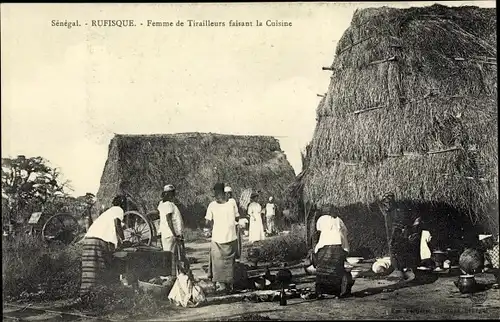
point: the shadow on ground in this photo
(255, 316)
(420, 280)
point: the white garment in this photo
(165, 208)
(256, 231)
(425, 251)
(270, 209)
(333, 232)
(104, 226)
(235, 206)
(224, 218)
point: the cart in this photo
(63, 227)
(68, 228)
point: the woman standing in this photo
(256, 231)
(223, 217)
(270, 216)
(171, 227)
(330, 254)
(229, 196)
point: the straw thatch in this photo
(140, 165)
(411, 108)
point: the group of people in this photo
(222, 215)
(409, 248)
(258, 228)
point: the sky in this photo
(66, 92)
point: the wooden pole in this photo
(306, 214)
(454, 148)
(387, 230)
(383, 60)
(368, 109)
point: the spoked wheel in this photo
(138, 229)
(62, 227)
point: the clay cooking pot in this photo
(466, 283)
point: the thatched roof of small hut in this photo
(140, 165)
(412, 109)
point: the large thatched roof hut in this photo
(140, 165)
(411, 109)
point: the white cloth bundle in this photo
(381, 265)
(185, 292)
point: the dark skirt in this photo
(331, 276)
(222, 261)
(96, 263)
(405, 252)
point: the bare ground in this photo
(436, 297)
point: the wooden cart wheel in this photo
(138, 228)
(61, 227)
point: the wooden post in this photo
(393, 58)
(387, 227)
(89, 220)
(306, 215)
(326, 68)
(368, 109)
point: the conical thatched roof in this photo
(140, 165)
(411, 108)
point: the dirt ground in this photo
(436, 297)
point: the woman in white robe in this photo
(256, 230)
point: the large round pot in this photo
(466, 283)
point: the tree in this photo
(28, 183)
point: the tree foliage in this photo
(30, 184)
